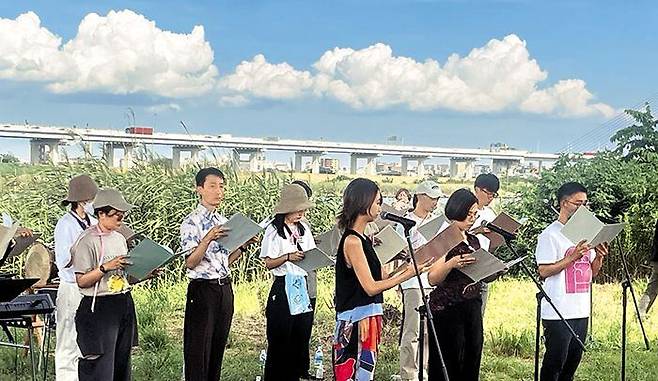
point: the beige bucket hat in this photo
(81, 188)
(293, 199)
(111, 197)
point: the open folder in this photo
(487, 265)
(503, 221)
(328, 241)
(390, 244)
(242, 229)
(7, 235)
(584, 225)
(146, 257)
(382, 223)
(431, 228)
(315, 259)
(437, 247)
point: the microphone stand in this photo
(626, 285)
(542, 294)
(425, 313)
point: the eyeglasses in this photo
(490, 194)
(578, 203)
(118, 215)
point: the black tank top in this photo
(349, 292)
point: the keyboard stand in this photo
(27, 322)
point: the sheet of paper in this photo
(242, 229)
(146, 257)
(514, 262)
(584, 225)
(431, 228)
(6, 236)
(390, 245)
(315, 259)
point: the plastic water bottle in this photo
(319, 367)
(261, 358)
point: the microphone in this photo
(507, 235)
(407, 223)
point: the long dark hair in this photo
(279, 222)
(357, 199)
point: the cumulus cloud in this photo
(120, 53)
(124, 52)
(260, 78)
(29, 51)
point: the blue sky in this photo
(609, 46)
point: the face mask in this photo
(89, 208)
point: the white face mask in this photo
(89, 208)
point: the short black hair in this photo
(459, 204)
(105, 210)
(357, 198)
(303, 184)
(201, 176)
(567, 189)
(488, 181)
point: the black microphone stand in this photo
(425, 313)
(626, 285)
(542, 294)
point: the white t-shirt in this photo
(569, 289)
(484, 214)
(417, 240)
(274, 246)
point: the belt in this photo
(220, 281)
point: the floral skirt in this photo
(354, 356)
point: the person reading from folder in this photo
(81, 192)
(426, 196)
(455, 302)
(288, 311)
(360, 283)
(209, 304)
(486, 189)
(105, 320)
(567, 271)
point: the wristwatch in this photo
(102, 269)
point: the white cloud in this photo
(164, 107)
(500, 76)
(124, 52)
(262, 79)
(29, 51)
(120, 53)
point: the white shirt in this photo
(417, 240)
(569, 289)
(67, 232)
(274, 246)
(485, 214)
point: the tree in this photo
(639, 141)
(8, 158)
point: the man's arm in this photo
(548, 270)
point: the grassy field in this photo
(509, 336)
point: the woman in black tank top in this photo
(360, 283)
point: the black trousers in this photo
(459, 329)
(208, 317)
(288, 337)
(105, 337)
(563, 354)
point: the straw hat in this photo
(81, 188)
(293, 199)
(111, 197)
